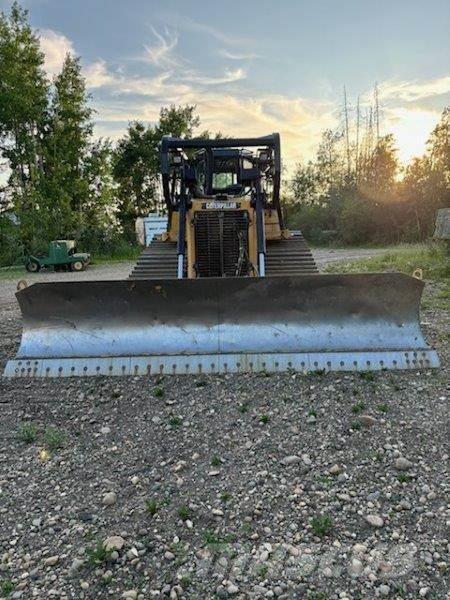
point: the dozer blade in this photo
(304, 323)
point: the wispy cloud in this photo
(237, 55)
(160, 54)
(184, 23)
(412, 91)
(55, 47)
(229, 76)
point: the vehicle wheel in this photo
(76, 266)
(32, 266)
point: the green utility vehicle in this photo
(62, 256)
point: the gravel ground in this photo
(316, 487)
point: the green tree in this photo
(23, 113)
(67, 144)
(137, 165)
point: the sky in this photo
(257, 66)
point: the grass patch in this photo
(358, 408)
(264, 419)
(215, 461)
(6, 587)
(403, 478)
(383, 408)
(225, 496)
(98, 555)
(27, 433)
(405, 258)
(53, 438)
(175, 421)
(355, 425)
(152, 506)
(214, 542)
(321, 525)
(158, 392)
(184, 512)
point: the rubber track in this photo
(283, 257)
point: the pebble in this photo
(402, 464)
(374, 521)
(290, 460)
(335, 470)
(384, 590)
(115, 542)
(130, 594)
(105, 430)
(367, 421)
(169, 555)
(232, 589)
(51, 561)
(109, 498)
(311, 420)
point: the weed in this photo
(185, 581)
(243, 408)
(152, 506)
(403, 478)
(215, 461)
(358, 408)
(321, 525)
(225, 496)
(316, 596)
(367, 375)
(378, 456)
(6, 587)
(184, 512)
(312, 413)
(98, 555)
(27, 433)
(175, 421)
(201, 383)
(214, 542)
(158, 392)
(355, 425)
(318, 372)
(53, 438)
(262, 571)
(383, 408)
(264, 419)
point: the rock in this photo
(311, 420)
(374, 521)
(402, 464)
(105, 430)
(130, 594)
(135, 480)
(307, 460)
(51, 561)
(232, 589)
(423, 592)
(169, 555)
(367, 421)
(156, 420)
(76, 565)
(356, 567)
(290, 460)
(84, 585)
(384, 590)
(335, 470)
(115, 542)
(109, 499)
(217, 512)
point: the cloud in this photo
(228, 77)
(412, 91)
(185, 23)
(237, 55)
(55, 46)
(161, 53)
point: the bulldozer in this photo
(227, 288)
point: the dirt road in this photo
(326, 486)
(121, 270)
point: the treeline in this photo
(58, 181)
(355, 191)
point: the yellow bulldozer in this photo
(227, 288)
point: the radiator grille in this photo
(217, 235)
